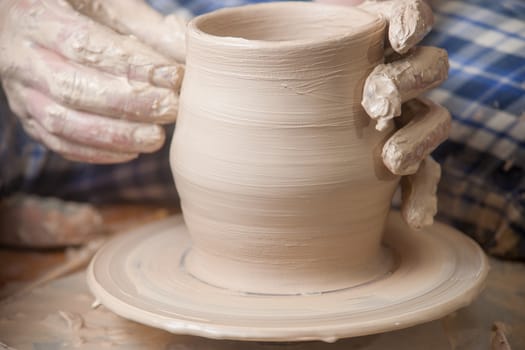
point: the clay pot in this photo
(277, 165)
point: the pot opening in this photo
(284, 22)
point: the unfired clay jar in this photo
(277, 165)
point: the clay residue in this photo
(60, 313)
(499, 339)
(408, 20)
(437, 271)
(59, 316)
(427, 127)
(419, 194)
(391, 84)
(166, 34)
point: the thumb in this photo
(166, 34)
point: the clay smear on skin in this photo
(409, 20)
(273, 155)
(164, 33)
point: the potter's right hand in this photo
(84, 90)
(391, 98)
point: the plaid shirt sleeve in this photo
(482, 191)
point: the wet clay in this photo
(408, 20)
(419, 194)
(34, 320)
(423, 126)
(391, 84)
(164, 33)
(83, 90)
(142, 276)
(273, 156)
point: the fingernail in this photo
(168, 76)
(149, 137)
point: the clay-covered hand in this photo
(390, 97)
(84, 87)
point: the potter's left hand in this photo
(391, 91)
(80, 81)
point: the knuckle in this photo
(81, 47)
(55, 119)
(76, 43)
(88, 43)
(68, 87)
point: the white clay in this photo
(419, 194)
(428, 126)
(277, 166)
(81, 88)
(391, 84)
(408, 20)
(143, 276)
(104, 330)
(164, 33)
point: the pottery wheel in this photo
(140, 276)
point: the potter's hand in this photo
(408, 20)
(84, 90)
(391, 91)
(166, 34)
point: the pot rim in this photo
(347, 33)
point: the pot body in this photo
(277, 165)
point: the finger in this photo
(93, 130)
(419, 201)
(14, 99)
(68, 149)
(408, 21)
(84, 89)
(166, 34)
(411, 21)
(427, 126)
(391, 84)
(78, 38)
(74, 151)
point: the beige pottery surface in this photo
(277, 165)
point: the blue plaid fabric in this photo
(482, 191)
